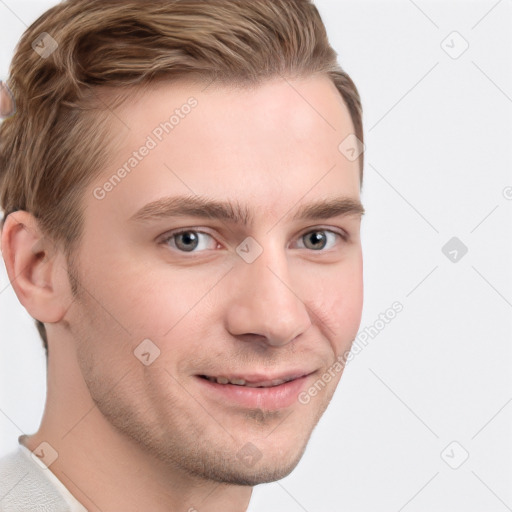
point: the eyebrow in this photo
(235, 213)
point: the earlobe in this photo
(32, 267)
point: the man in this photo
(181, 186)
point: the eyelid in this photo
(332, 229)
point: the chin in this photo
(261, 473)
(251, 467)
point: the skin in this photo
(135, 437)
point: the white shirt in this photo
(26, 487)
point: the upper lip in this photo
(260, 379)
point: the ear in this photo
(35, 268)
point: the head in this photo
(228, 115)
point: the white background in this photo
(438, 163)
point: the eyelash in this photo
(170, 236)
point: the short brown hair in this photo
(57, 141)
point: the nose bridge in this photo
(267, 303)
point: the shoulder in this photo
(25, 487)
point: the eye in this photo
(188, 240)
(317, 240)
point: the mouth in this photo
(254, 391)
(237, 381)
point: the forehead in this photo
(257, 143)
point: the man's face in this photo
(283, 304)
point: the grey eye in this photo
(187, 240)
(315, 240)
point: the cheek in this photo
(339, 304)
(142, 300)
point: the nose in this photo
(265, 306)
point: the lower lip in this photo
(271, 398)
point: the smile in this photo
(243, 382)
(254, 391)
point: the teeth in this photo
(242, 382)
